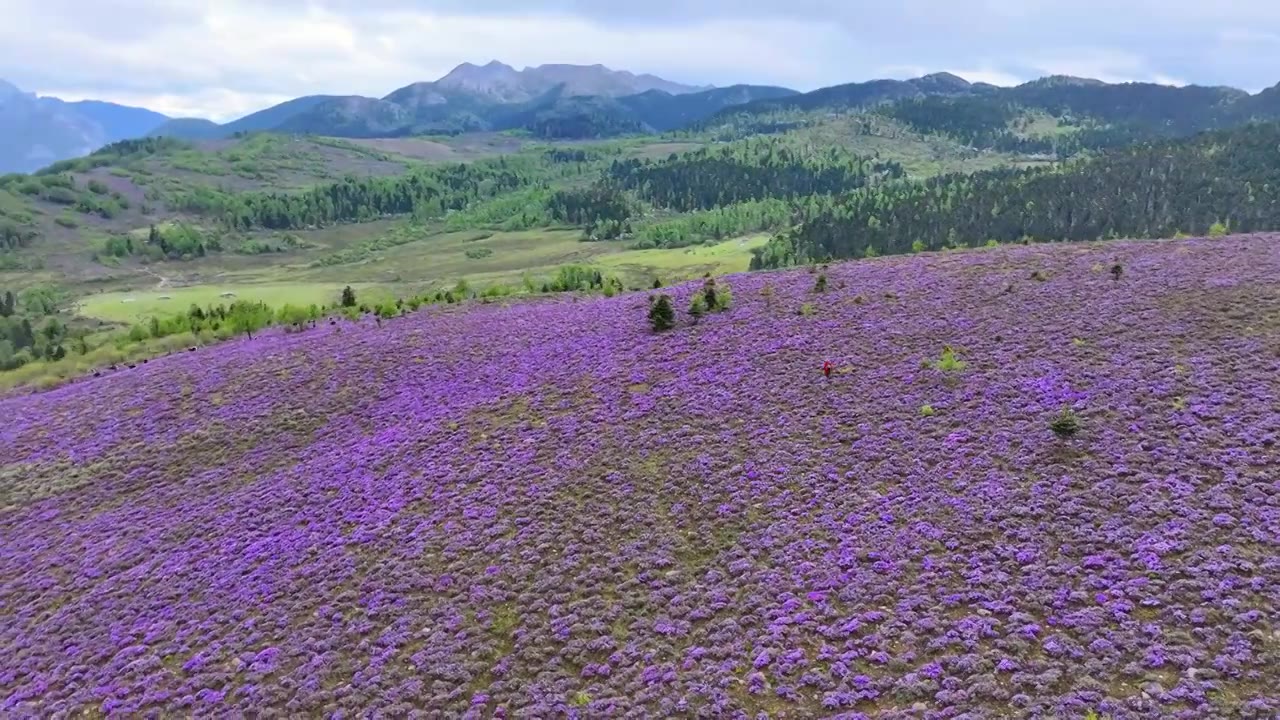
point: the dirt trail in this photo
(164, 281)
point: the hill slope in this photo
(189, 129)
(1147, 190)
(118, 122)
(740, 536)
(858, 95)
(268, 119)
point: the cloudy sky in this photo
(224, 58)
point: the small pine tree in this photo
(1065, 424)
(657, 283)
(662, 316)
(820, 285)
(724, 298)
(709, 293)
(698, 305)
(1117, 270)
(348, 297)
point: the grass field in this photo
(132, 307)
(731, 256)
(1042, 124)
(438, 260)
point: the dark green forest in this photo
(31, 329)
(1231, 178)
(992, 124)
(1143, 110)
(716, 192)
(427, 193)
(748, 170)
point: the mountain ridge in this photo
(562, 101)
(556, 99)
(36, 130)
(1143, 108)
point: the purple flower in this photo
(476, 509)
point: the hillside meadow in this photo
(549, 509)
(400, 271)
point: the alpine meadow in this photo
(574, 392)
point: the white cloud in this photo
(217, 104)
(240, 55)
(1107, 65)
(990, 75)
(222, 58)
(983, 73)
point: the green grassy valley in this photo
(148, 229)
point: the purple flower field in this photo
(547, 510)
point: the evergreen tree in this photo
(662, 315)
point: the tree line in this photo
(174, 241)
(30, 328)
(431, 192)
(710, 226)
(1150, 190)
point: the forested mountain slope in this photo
(1083, 114)
(1229, 178)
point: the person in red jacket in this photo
(826, 368)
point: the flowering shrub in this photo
(949, 362)
(547, 510)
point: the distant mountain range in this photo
(1164, 108)
(549, 100)
(36, 131)
(580, 101)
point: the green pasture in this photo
(136, 306)
(434, 261)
